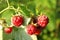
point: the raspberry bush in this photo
(27, 19)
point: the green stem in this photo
(11, 7)
(8, 3)
(4, 10)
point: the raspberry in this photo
(37, 32)
(17, 20)
(31, 29)
(42, 20)
(8, 30)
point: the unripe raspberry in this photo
(8, 30)
(17, 20)
(42, 20)
(31, 29)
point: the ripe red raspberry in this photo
(8, 30)
(17, 20)
(42, 20)
(31, 29)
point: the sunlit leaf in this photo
(7, 16)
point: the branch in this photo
(8, 3)
(4, 10)
(7, 9)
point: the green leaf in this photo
(7, 36)
(26, 21)
(20, 34)
(51, 23)
(24, 1)
(52, 26)
(3, 4)
(14, 3)
(24, 11)
(32, 7)
(45, 36)
(7, 15)
(52, 3)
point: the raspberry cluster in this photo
(41, 22)
(32, 29)
(17, 21)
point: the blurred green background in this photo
(49, 7)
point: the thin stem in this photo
(18, 9)
(7, 9)
(8, 3)
(4, 10)
(11, 7)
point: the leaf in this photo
(32, 7)
(3, 4)
(26, 21)
(24, 1)
(52, 3)
(52, 22)
(7, 36)
(19, 34)
(24, 11)
(7, 15)
(14, 3)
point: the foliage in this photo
(27, 8)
